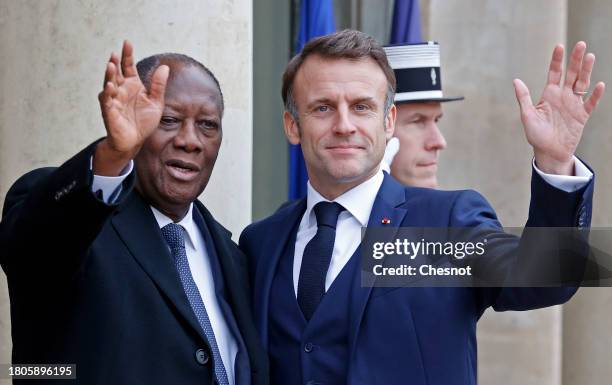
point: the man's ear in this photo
(390, 122)
(292, 131)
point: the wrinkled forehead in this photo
(190, 85)
(319, 74)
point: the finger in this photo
(109, 73)
(575, 62)
(103, 98)
(584, 78)
(110, 114)
(593, 100)
(115, 60)
(111, 89)
(522, 96)
(110, 77)
(158, 83)
(107, 95)
(113, 73)
(556, 66)
(127, 60)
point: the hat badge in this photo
(417, 72)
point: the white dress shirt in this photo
(358, 203)
(199, 264)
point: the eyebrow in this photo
(360, 99)
(318, 101)
(420, 115)
(364, 99)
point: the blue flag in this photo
(406, 27)
(316, 19)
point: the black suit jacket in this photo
(94, 285)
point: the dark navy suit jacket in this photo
(95, 285)
(418, 336)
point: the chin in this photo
(350, 172)
(181, 196)
(429, 183)
(352, 178)
(419, 182)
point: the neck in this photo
(332, 189)
(175, 212)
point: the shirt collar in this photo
(187, 223)
(358, 201)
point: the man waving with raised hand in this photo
(112, 262)
(318, 322)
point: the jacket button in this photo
(202, 356)
(582, 216)
(308, 347)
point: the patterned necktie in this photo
(317, 256)
(174, 236)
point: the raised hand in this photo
(554, 126)
(130, 113)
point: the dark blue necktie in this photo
(174, 236)
(316, 258)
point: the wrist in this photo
(110, 162)
(550, 165)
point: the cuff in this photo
(565, 182)
(108, 188)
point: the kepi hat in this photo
(417, 72)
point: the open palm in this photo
(130, 112)
(554, 126)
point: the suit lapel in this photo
(215, 240)
(139, 231)
(385, 209)
(230, 288)
(280, 233)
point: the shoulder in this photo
(454, 207)
(284, 216)
(26, 183)
(467, 208)
(443, 198)
(213, 225)
(395, 193)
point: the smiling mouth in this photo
(344, 149)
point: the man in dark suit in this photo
(112, 262)
(317, 322)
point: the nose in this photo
(187, 137)
(343, 124)
(435, 140)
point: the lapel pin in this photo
(385, 221)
